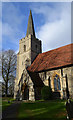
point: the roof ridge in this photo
(59, 57)
(56, 48)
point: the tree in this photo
(8, 68)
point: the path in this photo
(11, 111)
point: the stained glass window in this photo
(57, 83)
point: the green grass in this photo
(0, 104)
(5, 103)
(54, 110)
(7, 99)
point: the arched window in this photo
(57, 85)
(24, 48)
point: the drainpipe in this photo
(49, 82)
(67, 90)
(62, 81)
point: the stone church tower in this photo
(29, 48)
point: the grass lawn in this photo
(5, 103)
(7, 99)
(53, 110)
(0, 104)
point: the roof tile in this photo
(58, 57)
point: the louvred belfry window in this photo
(24, 48)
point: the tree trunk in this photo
(6, 88)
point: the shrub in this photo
(46, 93)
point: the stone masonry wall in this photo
(68, 70)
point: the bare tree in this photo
(8, 68)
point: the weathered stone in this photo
(29, 48)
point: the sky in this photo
(52, 23)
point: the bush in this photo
(46, 93)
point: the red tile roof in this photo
(59, 57)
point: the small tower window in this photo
(24, 48)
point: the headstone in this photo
(69, 108)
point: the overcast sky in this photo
(52, 22)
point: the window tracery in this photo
(57, 85)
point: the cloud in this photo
(7, 30)
(54, 35)
(0, 35)
(72, 22)
(11, 32)
(11, 25)
(56, 31)
(11, 14)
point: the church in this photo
(35, 69)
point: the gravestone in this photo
(69, 108)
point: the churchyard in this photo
(41, 109)
(6, 102)
(54, 109)
(32, 72)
